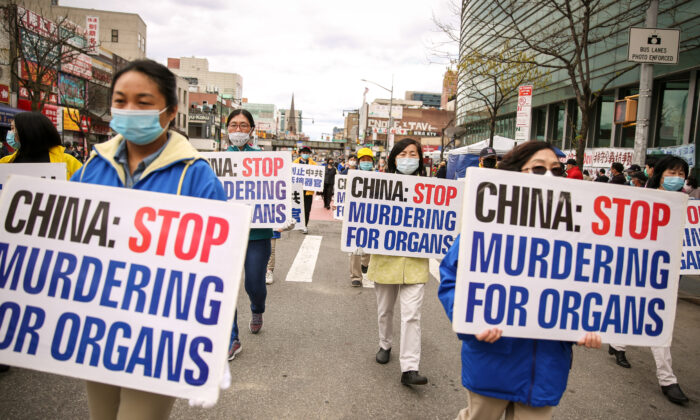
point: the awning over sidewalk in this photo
(7, 114)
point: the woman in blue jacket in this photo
(144, 155)
(523, 377)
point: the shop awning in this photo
(7, 114)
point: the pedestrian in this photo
(328, 183)
(669, 174)
(240, 125)
(352, 164)
(617, 172)
(691, 187)
(587, 175)
(488, 157)
(525, 378)
(305, 159)
(36, 140)
(359, 262)
(144, 155)
(381, 165)
(601, 176)
(637, 179)
(402, 277)
(442, 170)
(573, 171)
(649, 163)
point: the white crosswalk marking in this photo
(302, 269)
(435, 269)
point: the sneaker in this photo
(269, 277)
(412, 377)
(256, 322)
(235, 349)
(305, 231)
(364, 269)
(356, 283)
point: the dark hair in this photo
(601, 171)
(158, 73)
(307, 148)
(651, 160)
(519, 155)
(666, 162)
(638, 175)
(618, 167)
(585, 172)
(240, 111)
(36, 134)
(692, 182)
(398, 148)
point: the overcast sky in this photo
(318, 50)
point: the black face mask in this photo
(489, 163)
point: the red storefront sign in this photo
(51, 111)
(5, 94)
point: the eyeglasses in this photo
(242, 126)
(541, 170)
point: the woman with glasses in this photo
(240, 125)
(525, 378)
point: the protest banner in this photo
(551, 258)
(41, 170)
(308, 176)
(261, 180)
(119, 286)
(339, 196)
(690, 259)
(298, 207)
(403, 215)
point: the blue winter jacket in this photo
(179, 169)
(532, 372)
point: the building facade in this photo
(183, 105)
(429, 99)
(555, 115)
(265, 117)
(196, 71)
(449, 88)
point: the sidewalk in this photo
(317, 210)
(689, 289)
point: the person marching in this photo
(525, 378)
(145, 155)
(329, 183)
(305, 159)
(36, 140)
(360, 263)
(240, 125)
(402, 277)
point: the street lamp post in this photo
(389, 144)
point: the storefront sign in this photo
(4, 94)
(92, 23)
(72, 90)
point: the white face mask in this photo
(238, 138)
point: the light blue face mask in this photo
(407, 166)
(673, 183)
(11, 140)
(138, 126)
(305, 156)
(366, 166)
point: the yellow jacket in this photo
(387, 269)
(56, 155)
(310, 162)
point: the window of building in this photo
(115, 35)
(138, 41)
(540, 121)
(671, 116)
(559, 112)
(606, 108)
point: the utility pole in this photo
(646, 84)
(390, 136)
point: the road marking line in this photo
(435, 269)
(302, 269)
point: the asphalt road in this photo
(314, 358)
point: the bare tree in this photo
(38, 49)
(565, 36)
(446, 49)
(492, 78)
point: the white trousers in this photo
(662, 357)
(411, 299)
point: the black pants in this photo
(327, 195)
(308, 201)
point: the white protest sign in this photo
(41, 170)
(125, 287)
(339, 196)
(391, 214)
(298, 207)
(551, 258)
(308, 176)
(690, 259)
(259, 179)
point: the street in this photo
(314, 358)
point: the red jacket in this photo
(574, 173)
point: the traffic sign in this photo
(653, 45)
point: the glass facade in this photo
(673, 101)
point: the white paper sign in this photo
(125, 287)
(259, 179)
(298, 207)
(402, 215)
(339, 196)
(551, 258)
(524, 113)
(310, 177)
(690, 259)
(41, 170)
